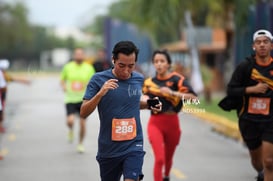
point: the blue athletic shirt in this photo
(123, 102)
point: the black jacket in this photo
(237, 85)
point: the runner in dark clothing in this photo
(251, 87)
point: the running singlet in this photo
(259, 107)
(119, 113)
(76, 77)
(175, 82)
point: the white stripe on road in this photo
(178, 174)
(4, 151)
(12, 137)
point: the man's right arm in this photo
(88, 106)
(63, 85)
(236, 85)
(259, 88)
(63, 78)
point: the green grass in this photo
(215, 109)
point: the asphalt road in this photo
(35, 145)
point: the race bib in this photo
(258, 105)
(77, 86)
(123, 129)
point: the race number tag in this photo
(123, 129)
(77, 86)
(258, 105)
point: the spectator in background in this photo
(101, 62)
(74, 78)
(3, 85)
(4, 66)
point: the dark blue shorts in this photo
(129, 165)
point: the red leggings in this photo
(164, 134)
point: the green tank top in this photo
(76, 77)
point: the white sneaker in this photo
(80, 148)
(70, 136)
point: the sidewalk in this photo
(220, 123)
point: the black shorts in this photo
(254, 133)
(73, 108)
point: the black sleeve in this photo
(190, 89)
(236, 85)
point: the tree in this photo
(165, 19)
(15, 28)
(21, 39)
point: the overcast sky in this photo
(65, 12)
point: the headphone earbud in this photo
(253, 48)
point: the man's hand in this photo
(63, 85)
(111, 84)
(259, 88)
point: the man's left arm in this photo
(143, 102)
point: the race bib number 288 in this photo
(123, 129)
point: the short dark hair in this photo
(125, 47)
(165, 53)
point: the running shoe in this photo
(166, 179)
(70, 136)
(80, 148)
(260, 176)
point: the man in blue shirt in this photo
(117, 93)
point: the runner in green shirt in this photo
(74, 78)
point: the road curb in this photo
(221, 125)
